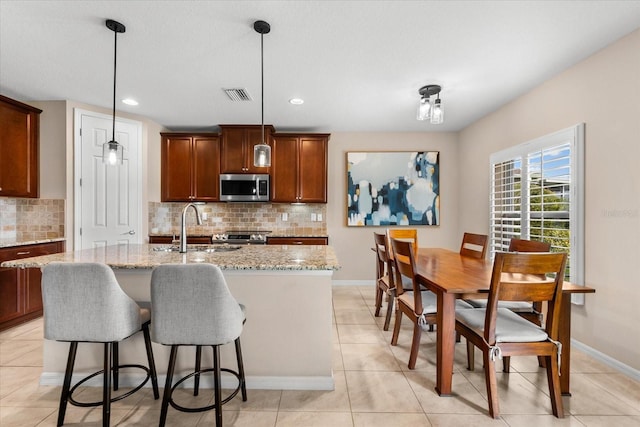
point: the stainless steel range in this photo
(242, 237)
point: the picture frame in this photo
(393, 188)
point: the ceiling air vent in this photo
(238, 94)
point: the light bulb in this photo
(113, 157)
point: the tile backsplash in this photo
(301, 220)
(31, 219)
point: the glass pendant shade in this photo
(437, 113)
(112, 153)
(261, 155)
(424, 109)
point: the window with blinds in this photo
(537, 193)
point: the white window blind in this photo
(537, 193)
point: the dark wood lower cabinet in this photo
(20, 289)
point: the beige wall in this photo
(603, 92)
(352, 244)
(52, 148)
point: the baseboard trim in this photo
(607, 360)
(206, 381)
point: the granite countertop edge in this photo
(252, 257)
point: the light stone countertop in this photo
(8, 243)
(249, 257)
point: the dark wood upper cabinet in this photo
(236, 147)
(19, 140)
(190, 167)
(299, 168)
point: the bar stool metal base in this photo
(217, 370)
(111, 366)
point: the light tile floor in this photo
(373, 387)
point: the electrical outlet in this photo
(205, 216)
(313, 217)
(285, 216)
(319, 217)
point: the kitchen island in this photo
(287, 340)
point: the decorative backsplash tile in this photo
(31, 219)
(164, 218)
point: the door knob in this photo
(130, 232)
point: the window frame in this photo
(574, 137)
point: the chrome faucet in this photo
(183, 227)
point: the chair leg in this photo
(243, 383)
(506, 364)
(167, 386)
(116, 367)
(396, 327)
(553, 378)
(153, 373)
(471, 356)
(415, 344)
(216, 383)
(64, 396)
(492, 385)
(387, 319)
(196, 378)
(378, 300)
(106, 387)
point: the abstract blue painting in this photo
(393, 188)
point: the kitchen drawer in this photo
(297, 240)
(28, 251)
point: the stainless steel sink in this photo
(199, 248)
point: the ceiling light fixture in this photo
(262, 151)
(112, 152)
(430, 110)
(130, 101)
(296, 101)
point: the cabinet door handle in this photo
(24, 253)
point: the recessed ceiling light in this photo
(296, 101)
(130, 101)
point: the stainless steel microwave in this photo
(244, 188)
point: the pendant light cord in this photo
(262, 84)
(115, 55)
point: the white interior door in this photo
(107, 198)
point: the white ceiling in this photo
(357, 64)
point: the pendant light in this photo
(262, 151)
(112, 152)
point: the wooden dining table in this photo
(450, 276)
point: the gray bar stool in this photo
(83, 302)
(192, 306)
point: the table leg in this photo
(445, 333)
(564, 335)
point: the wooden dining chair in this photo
(532, 311)
(499, 332)
(385, 284)
(402, 233)
(417, 304)
(474, 245)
